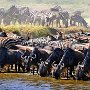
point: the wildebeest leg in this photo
(52, 23)
(72, 69)
(56, 23)
(33, 70)
(78, 24)
(66, 24)
(59, 24)
(16, 67)
(39, 22)
(6, 67)
(81, 24)
(28, 66)
(12, 66)
(35, 22)
(37, 69)
(67, 72)
(49, 22)
(28, 69)
(19, 21)
(23, 68)
(52, 70)
(74, 23)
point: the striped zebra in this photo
(21, 39)
(8, 42)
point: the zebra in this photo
(8, 42)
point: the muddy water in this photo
(38, 83)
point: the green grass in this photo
(38, 31)
(28, 30)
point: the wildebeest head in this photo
(86, 67)
(38, 55)
(80, 72)
(26, 57)
(34, 58)
(55, 57)
(86, 61)
(34, 54)
(42, 69)
(67, 60)
(68, 57)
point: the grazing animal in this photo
(10, 57)
(26, 58)
(70, 59)
(55, 57)
(79, 19)
(35, 57)
(82, 71)
(42, 69)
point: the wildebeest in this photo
(26, 58)
(10, 57)
(79, 19)
(35, 57)
(55, 57)
(84, 68)
(70, 59)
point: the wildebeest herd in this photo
(50, 17)
(50, 55)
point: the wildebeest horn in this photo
(34, 56)
(53, 62)
(46, 63)
(40, 59)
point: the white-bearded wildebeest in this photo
(55, 57)
(78, 19)
(70, 59)
(35, 57)
(10, 57)
(84, 68)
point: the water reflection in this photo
(41, 84)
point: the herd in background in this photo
(49, 55)
(55, 16)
